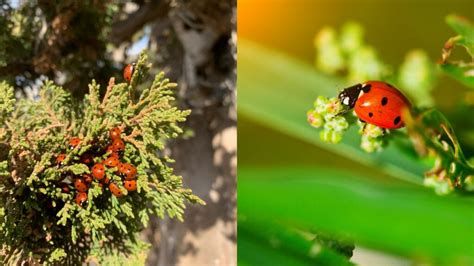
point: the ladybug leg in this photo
(364, 126)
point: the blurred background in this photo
(293, 188)
(194, 43)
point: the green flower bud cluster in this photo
(445, 179)
(437, 178)
(347, 53)
(441, 186)
(372, 137)
(330, 58)
(418, 77)
(364, 64)
(325, 114)
(352, 35)
(469, 183)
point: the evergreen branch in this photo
(44, 169)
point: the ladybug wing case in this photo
(382, 106)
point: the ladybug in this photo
(87, 158)
(130, 185)
(60, 158)
(87, 178)
(377, 103)
(112, 161)
(81, 197)
(118, 146)
(128, 72)
(110, 150)
(121, 168)
(115, 133)
(74, 142)
(80, 185)
(98, 171)
(128, 170)
(115, 190)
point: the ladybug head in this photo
(349, 96)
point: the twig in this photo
(46, 129)
(131, 138)
(126, 28)
(107, 92)
(144, 112)
(51, 113)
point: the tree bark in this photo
(205, 31)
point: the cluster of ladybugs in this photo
(115, 150)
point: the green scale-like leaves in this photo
(38, 220)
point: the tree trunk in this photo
(207, 161)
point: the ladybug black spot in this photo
(397, 120)
(366, 88)
(384, 101)
(371, 114)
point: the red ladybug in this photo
(60, 158)
(115, 190)
(81, 197)
(130, 185)
(121, 168)
(110, 151)
(128, 171)
(98, 171)
(118, 146)
(80, 185)
(115, 133)
(128, 72)
(377, 103)
(112, 161)
(74, 142)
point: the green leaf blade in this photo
(410, 221)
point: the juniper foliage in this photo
(39, 222)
